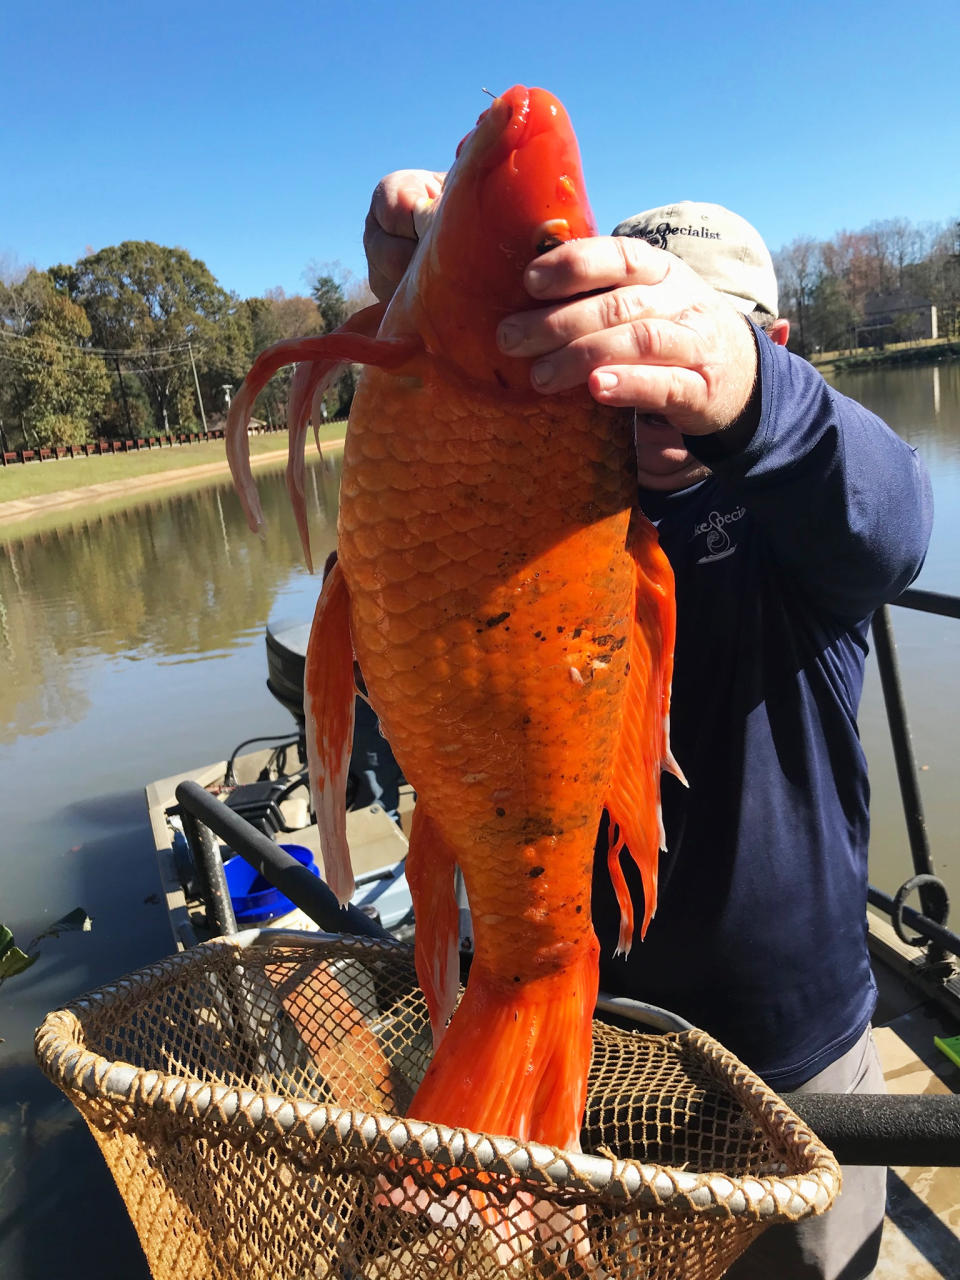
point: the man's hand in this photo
(400, 205)
(655, 337)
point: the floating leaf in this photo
(14, 961)
(75, 921)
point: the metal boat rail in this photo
(940, 944)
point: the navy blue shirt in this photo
(780, 556)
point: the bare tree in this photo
(798, 266)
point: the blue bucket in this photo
(255, 898)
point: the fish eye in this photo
(550, 234)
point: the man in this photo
(789, 514)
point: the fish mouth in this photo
(500, 129)
(510, 123)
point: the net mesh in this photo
(249, 1101)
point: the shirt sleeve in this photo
(846, 504)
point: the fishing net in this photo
(248, 1098)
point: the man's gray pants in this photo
(843, 1243)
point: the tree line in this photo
(132, 341)
(831, 290)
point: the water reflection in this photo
(922, 404)
(177, 579)
(131, 648)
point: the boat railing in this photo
(940, 944)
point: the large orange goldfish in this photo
(513, 619)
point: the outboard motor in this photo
(286, 657)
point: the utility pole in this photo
(196, 381)
(123, 395)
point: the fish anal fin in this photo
(430, 869)
(328, 702)
(515, 1057)
(633, 801)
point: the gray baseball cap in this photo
(723, 248)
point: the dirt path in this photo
(66, 499)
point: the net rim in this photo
(74, 1068)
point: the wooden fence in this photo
(54, 453)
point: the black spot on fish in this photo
(501, 813)
(538, 634)
(500, 617)
(559, 631)
(536, 827)
(500, 378)
(604, 641)
(626, 669)
(619, 644)
(536, 871)
(525, 720)
(516, 976)
(577, 632)
(579, 909)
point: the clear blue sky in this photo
(252, 135)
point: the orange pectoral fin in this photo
(634, 799)
(329, 692)
(354, 342)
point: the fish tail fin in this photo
(354, 342)
(633, 802)
(328, 703)
(515, 1057)
(430, 868)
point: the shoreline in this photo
(21, 509)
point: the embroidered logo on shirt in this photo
(714, 529)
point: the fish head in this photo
(515, 190)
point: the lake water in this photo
(131, 648)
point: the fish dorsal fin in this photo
(633, 802)
(324, 355)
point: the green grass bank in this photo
(36, 479)
(892, 356)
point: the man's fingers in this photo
(600, 262)
(672, 393)
(399, 197)
(533, 333)
(398, 215)
(387, 259)
(649, 342)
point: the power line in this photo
(38, 362)
(102, 352)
